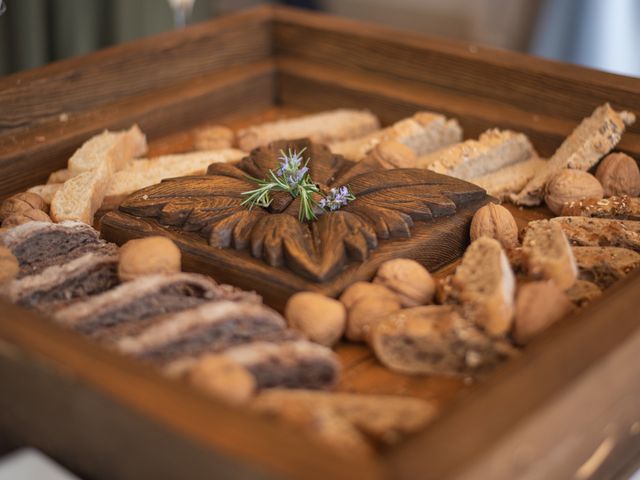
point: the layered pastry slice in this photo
(59, 285)
(40, 245)
(249, 334)
(132, 306)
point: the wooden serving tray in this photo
(568, 408)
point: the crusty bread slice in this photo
(547, 254)
(214, 137)
(145, 172)
(511, 179)
(424, 132)
(323, 127)
(46, 191)
(588, 143)
(385, 418)
(484, 286)
(605, 265)
(61, 176)
(118, 148)
(620, 208)
(603, 232)
(583, 293)
(493, 150)
(434, 340)
(80, 197)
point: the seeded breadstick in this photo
(588, 143)
(324, 127)
(493, 150)
(423, 133)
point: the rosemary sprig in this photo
(293, 177)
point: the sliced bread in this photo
(46, 191)
(118, 148)
(511, 179)
(323, 127)
(605, 265)
(423, 133)
(484, 286)
(621, 208)
(588, 143)
(603, 232)
(547, 254)
(493, 150)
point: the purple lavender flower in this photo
(338, 197)
(291, 168)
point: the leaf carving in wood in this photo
(387, 205)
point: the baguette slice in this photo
(324, 127)
(117, 148)
(434, 340)
(600, 232)
(80, 197)
(484, 286)
(621, 208)
(423, 133)
(493, 150)
(385, 418)
(61, 176)
(511, 179)
(46, 191)
(145, 172)
(547, 254)
(605, 265)
(588, 143)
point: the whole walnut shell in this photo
(32, 215)
(495, 221)
(20, 203)
(147, 256)
(366, 304)
(9, 266)
(619, 175)
(320, 318)
(571, 186)
(409, 280)
(393, 154)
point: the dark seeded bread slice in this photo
(605, 265)
(600, 232)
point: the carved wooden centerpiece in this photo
(412, 213)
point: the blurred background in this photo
(603, 34)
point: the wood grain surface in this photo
(545, 416)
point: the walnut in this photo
(409, 280)
(495, 221)
(538, 305)
(9, 266)
(393, 154)
(223, 379)
(20, 203)
(619, 175)
(146, 256)
(571, 186)
(320, 318)
(32, 215)
(366, 304)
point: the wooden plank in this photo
(112, 417)
(510, 79)
(30, 155)
(545, 414)
(127, 70)
(312, 87)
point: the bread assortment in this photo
(510, 285)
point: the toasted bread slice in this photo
(324, 127)
(605, 265)
(511, 179)
(118, 148)
(493, 150)
(46, 191)
(548, 254)
(61, 176)
(145, 172)
(484, 286)
(423, 133)
(620, 208)
(588, 143)
(600, 232)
